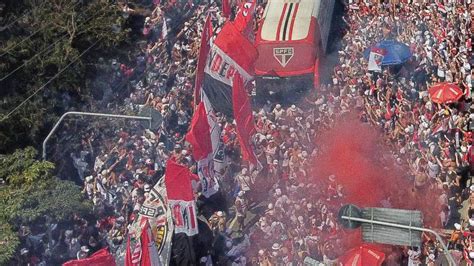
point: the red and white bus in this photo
(292, 37)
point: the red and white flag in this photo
(181, 198)
(230, 53)
(244, 119)
(133, 255)
(206, 36)
(244, 19)
(375, 59)
(149, 252)
(154, 218)
(442, 126)
(199, 136)
(442, 8)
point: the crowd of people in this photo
(283, 215)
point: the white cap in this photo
(84, 249)
(220, 213)
(457, 226)
(276, 246)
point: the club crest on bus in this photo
(283, 55)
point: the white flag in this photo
(375, 59)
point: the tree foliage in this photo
(22, 169)
(8, 242)
(31, 193)
(41, 44)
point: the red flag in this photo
(199, 134)
(244, 119)
(145, 240)
(181, 198)
(226, 9)
(206, 35)
(99, 258)
(244, 18)
(178, 181)
(128, 254)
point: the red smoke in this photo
(365, 167)
(352, 153)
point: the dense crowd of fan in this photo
(298, 224)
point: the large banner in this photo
(181, 198)
(231, 53)
(155, 217)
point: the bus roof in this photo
(286, 20)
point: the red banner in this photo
(231, 53)
(244, 119)
(181, 198)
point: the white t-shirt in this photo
(414, 258)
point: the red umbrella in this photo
(445, 93)
(362, 256)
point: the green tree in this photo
(39, 46)
(8, 242)
(30, 193)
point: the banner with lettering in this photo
(231, 53)
(181, 198)
(154, 216)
